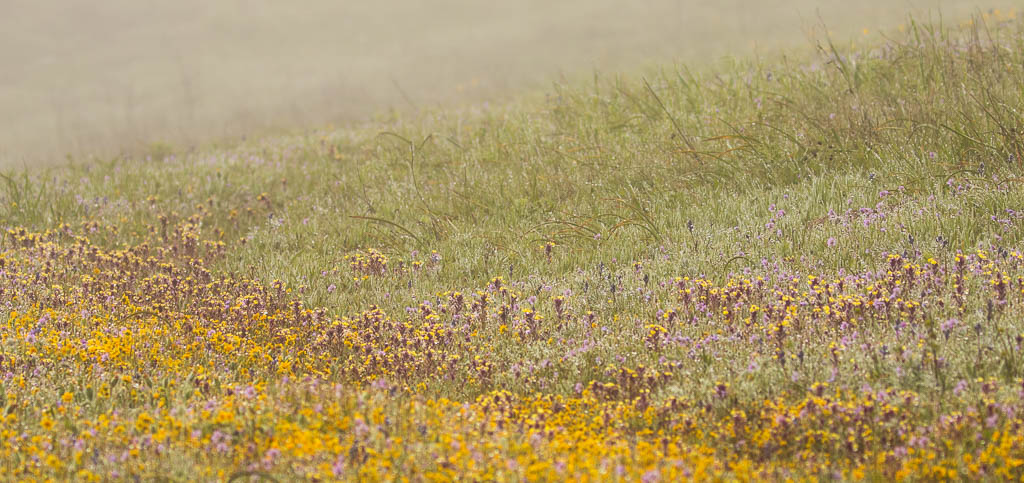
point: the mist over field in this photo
(113, 77)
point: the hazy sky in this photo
(115, 75)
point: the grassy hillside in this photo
(806, 267)
(124, 76)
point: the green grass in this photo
(820, 162)
(614, 170)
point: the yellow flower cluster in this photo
(141, 362)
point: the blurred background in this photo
(103, 78)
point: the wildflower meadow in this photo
(802, 267)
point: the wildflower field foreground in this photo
(808, 267)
